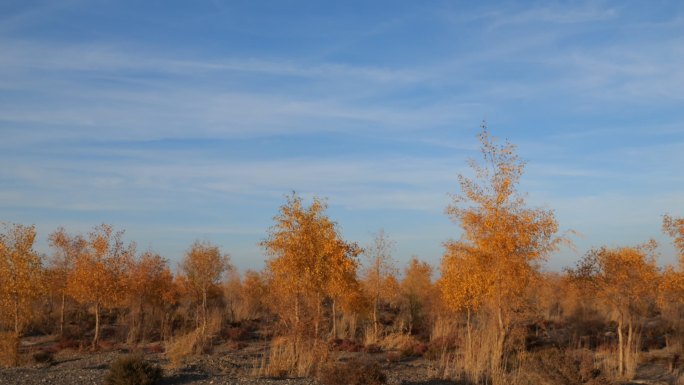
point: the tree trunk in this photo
(16, 315)
(621, 356)
(96, 338)
(204, 311)
(334, 319)
(297, 313)
(628, 346)
(61, 315)
(317, 321)
(469, 343)
(141, 322)
(498, 365)
(375, 317)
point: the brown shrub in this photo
(133, 370)
(43, 357)
(354, 372)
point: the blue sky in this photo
(179, 121)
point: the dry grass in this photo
(347, 327)
(184, 346)
(195, 342)
(559, 367)
(292, 357)
(444, 328)
(398, 341)
(9, 349)
(478, 362)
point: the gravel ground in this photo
(224, 366)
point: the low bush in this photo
(354, 372)
(43, 357)
(133, 370)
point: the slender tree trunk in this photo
(628, 347)
(318, 315)
(96, 338)
(501, 342)
(16, 316)
(16, 319)
(375, 317)
(469, 343)
(297, 313)
(162, 335)
(204, 311)
(61, 315)
(621, 356)
(141, 321)
(334, 319)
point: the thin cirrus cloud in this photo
(206, 129)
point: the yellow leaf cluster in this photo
(21, 278)
(308, 260)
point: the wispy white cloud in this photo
(552, 15)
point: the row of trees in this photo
(312, 280)
(490, 278)
(100, 272)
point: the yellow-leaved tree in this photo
(150, 289)
(417, 292)
(203, 267)
(67, 249)
(502, 245)
(671, 289)
(625, 280)
(99, 276)
(674, 227)
(379, 274)
(21, 279)
(309, 263)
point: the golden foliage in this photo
(674, 227)
(149, 286)
(625, 280)
(21, 279)
(379, 274)
(417, 291)
(502, 244)
(308, 262)
(67, 249)
(503, 241)
(203, 267)
(99, 275)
